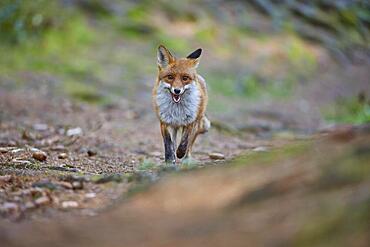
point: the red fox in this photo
(180, 100)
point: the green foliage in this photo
(21, 20)
(300, 58)
(146, 165)
(355, 111)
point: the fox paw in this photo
(180, 153)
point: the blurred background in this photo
(268, 63)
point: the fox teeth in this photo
(176, 98)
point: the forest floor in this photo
(88, 175)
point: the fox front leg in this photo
(169, 151)
(186, 140)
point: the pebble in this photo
(44, 184)
(3, 150)
(34, 149)
(5, 178)
(24, 162)
(216, 156)
(39, 155)
(9, 207)
(41, 201)
(156, 154)
(260, 149)
(17, 150)
(74, 131)
(69, 204)
(77, 185)
(91, 152)
(63, 156)
(90, 195)
(66, 185)
(40, 127)
(58, 148)
(29, 205)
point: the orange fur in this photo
(178, 73)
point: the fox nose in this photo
(177, 91)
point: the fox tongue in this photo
(176, 98)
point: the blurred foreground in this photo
(309, 193)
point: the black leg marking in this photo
(169, 152)
(181, 150)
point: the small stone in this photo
(26, 135)
(216, 156)
(5, 178)
(69, 204)
(77, 185)
(58, 148)
(34, 149)
(90, 195)
(156, 154)
(29, 205)
(66, 185)
(74, 131)
(40, 155)
(14, 151)
(260, 149)
(23, 162)
(44, 184)
(41, 201)
(91, 152)
(63, 156)
(40, 127)
(9, 207)
(3, 150)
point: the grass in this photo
(147, 165)
(354, 110)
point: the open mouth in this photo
(176, 98)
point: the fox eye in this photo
(185, 78)
(170, 77)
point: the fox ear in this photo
(195, 56)
(164, 57)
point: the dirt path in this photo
(317, 199)
(92, 155)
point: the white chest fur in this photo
(182, 113)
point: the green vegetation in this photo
(21, 20)
(355, 110)
(146, 165)
(98, 53)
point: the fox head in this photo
(177, 75)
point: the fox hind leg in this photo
(204, 125)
